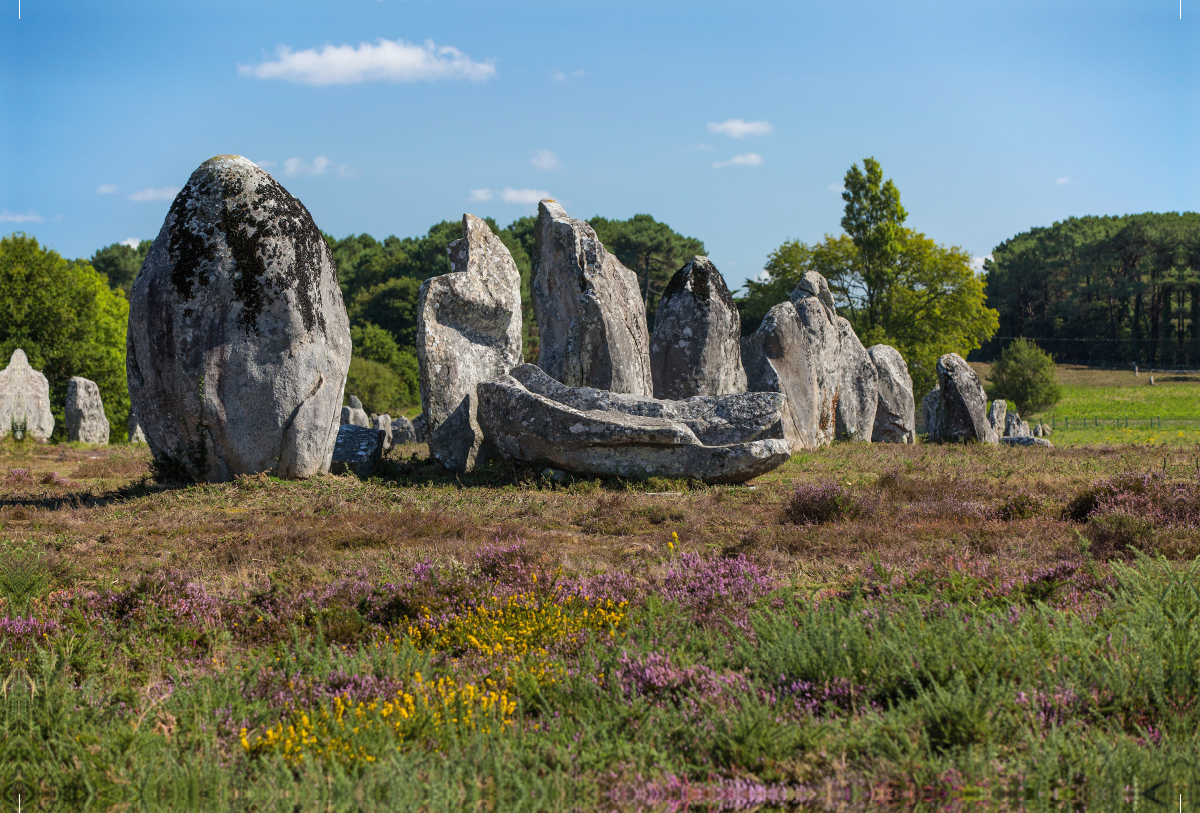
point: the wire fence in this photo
(1071, 422)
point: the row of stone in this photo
(25, 406)
(957, 411)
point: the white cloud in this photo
(544, 159)
(165, 193)
(107, 189)
(750, 159)
(736, 128)
(1063, 181)
(31, 217)
(837, 187)
(386, 60)
(132, 242)
(977, 262)
(480, 195)
(558, 76)
(264, 164)
(527, 196)
(294, 167)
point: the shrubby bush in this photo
(822, 503)
(1025, 375)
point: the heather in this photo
(909, 628)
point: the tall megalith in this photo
(24, 399)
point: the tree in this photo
(833, 258)
(120, 263)
(874, 222)
(390, 382)
(652, 250)
(68, 321)
(1025, 375)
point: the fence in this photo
(1069, 422)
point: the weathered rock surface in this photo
(136, 435)
(796, 352)
(421, 428)
(628, 440)
(813, 284)
(86, 421)
(1014, 427)
(895, 413)
(590, 314)
(24, 399)
(1027, 441)
(238, 341)
(997, 416)
(468, 331)
(383, 423)
(357, 450)
(858, 387)
(963, 403)
(355, 416)
(933, 415)
(402, 431)
(696, 345)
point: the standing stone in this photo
(696, 345)
(815, 285)
(355, 415)
(997, 415)
(238, 339)
(402, 431)
(86, 421)
(420, 426)
(1014, 427)
(590, 314)
(136, 435)
(795, 351)
(468, 331)
(24, 400)
(858, 387)
(895, 415)
(383, 423)
(933, 415)
(964, 402)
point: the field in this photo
(869, 627)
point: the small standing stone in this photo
(355, 415)
(136, 435)
(24, 400)
(964, 402)
(86, 421)
(383, 423)
(420, 425)
(402, 431)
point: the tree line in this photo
(1102, 290)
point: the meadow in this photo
(868, 627)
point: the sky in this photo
(732, 122)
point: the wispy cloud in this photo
(750, 159)
(736, 128)
(297, 167)
(107, 189)
(165, 193)
(527, 196)
(480, 195)
(560, 76)
(977, 262)
(544, 159)
(30, 217)
(1063, 181)
(383, 61)
(132, 242)
(264, 164)
(837, 187)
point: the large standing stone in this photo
(238, 339)
(24, 399)
(590, 314)
(572, 429)
(858, 387)
(895, 418)
(468, 331)
(795, 351)
(696, 345)
(963, 402)
(86, 421)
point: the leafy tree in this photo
(391, 305)
(833, 258)
(120, 263)
(652, 250)
(69, 322)
(874, 222)
(376, 388)
(1025, 374)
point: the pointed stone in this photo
(136, 435)
(696, 345)
(895, 414)
(858, 387)
(24, 400)
(590, 314)
(964, 403)
(468, 331)
(86, 421)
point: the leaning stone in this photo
(383, 423)
(590, 315)
(238, 341)
(24, 400)
(355, 416)
(527, 426)
(964, 402)
(136, 435)
(468, 331)
(858, 387)
(895, 414)
(357, 451)
(402, 431)
(86, 421)
(796, 352)
(696, 345)
(1027, 441)
(997, 415)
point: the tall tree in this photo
(652, 250)
(120, 263)
(874, 221)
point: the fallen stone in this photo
(796, 352)
(696, 345)
(357, 451)
(403, 431)
(136, 435)
(858, 387)
(590, 315)
(529, 426)
(1027, 441)
(24, 400)
(895, 413)
(468, 331)
(964, 402)
(383, 423)
(238, 341)
(86, 421)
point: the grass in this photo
(907, 627)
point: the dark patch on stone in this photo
(188, 251)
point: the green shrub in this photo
(1025, 375)
(379, 387)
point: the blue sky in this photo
(732, 122)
